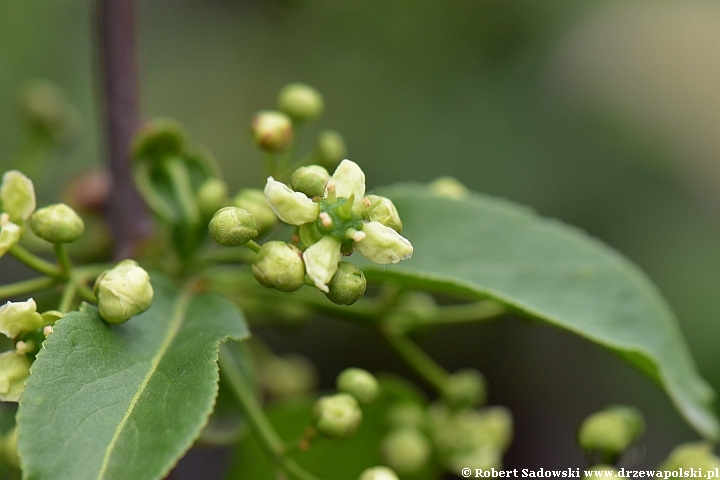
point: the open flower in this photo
(334, 221)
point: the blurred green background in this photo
(605, 114)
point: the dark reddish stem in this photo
(129, 222)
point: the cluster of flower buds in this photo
(340, 415)
(610, 432)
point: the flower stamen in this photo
(325, 219)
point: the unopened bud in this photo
(330, 149)
(158, 138)
(288, 376)
(271, 130)
(347, 285)
(359, 383)
(337, 416)
(57, 223)
(17, 195)
(19, 318)
(123, 292)
(465, 389)
(279, 265)
(378, 473)
(253, 200)
(310, 180)
(406, 450)
(211, 196)
(10, 234)
(448, 187)
(610, 431)
(382, 210)
(232, 227)
(692, 455)
(405, 414)
(302, 102)
(14, 369)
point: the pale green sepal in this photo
(383, 244)
(321, 261)
(291, 207)
(9, 236)
(18, 196)
(14, 369)
(348, 180)
(17, 318)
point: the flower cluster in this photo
(339, 222)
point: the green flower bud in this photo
(337, 416)
(14, 369)
(330, 149)
(310, 180)
(232, 227)
(448, 187)
(359, 383)
(57, 223)
(212, 195)
(381, 209)
(17, 194)
(9, 448)
(347, 285)
(19, 318)
(406, 450)
(692, 455)
(123, 292)
(253, 200)
(10, 234)
(289, 376)
(469, 430)
(271, 131)
(158, 138)
(279, 265)
(302, 102)
(612, 472)
(378, 473)
(405, 415)
(465, 389)
(610, 431)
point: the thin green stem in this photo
(420, 361)
(91, 271)
(253, 245)
(182, 188)
(85, 293)
(36, 263)
(27, 286)
(293, 468)
(68, 297)
(63, 258)
(467, 312)
(270, 159)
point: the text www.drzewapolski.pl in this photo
(578, 473)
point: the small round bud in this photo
(271, 131)
(405, 415)
(10, 234)
(89, 191)
(611, 472)
(692, 455)
(211, 196)
(157, 138)
(232, 227)
(302, 102)
(378, 473)
(14, 369)
(330, 148)
(359, 383)
(19, 318)
(448, 187)
(347, 285)
(123, 292)
(253, 200)
(279, 265)
(406, 450)
(17, 195)
(337, 416)
(57, 223)
(610, 431)
(381, 209)
(310, 180)
(288, 376)
(465, 389)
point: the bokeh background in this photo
(605, 114)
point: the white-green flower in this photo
(14, 370)
(17, 318)
(336, 220)
(10, 234)
(17, 194)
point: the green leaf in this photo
(124, 401)
(492, 248)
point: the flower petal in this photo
(14, 370)
(292, 207)
(347, 180)
(17, 318)
(383, 244)
(321, 261)
(17, 194)
(9, 235)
